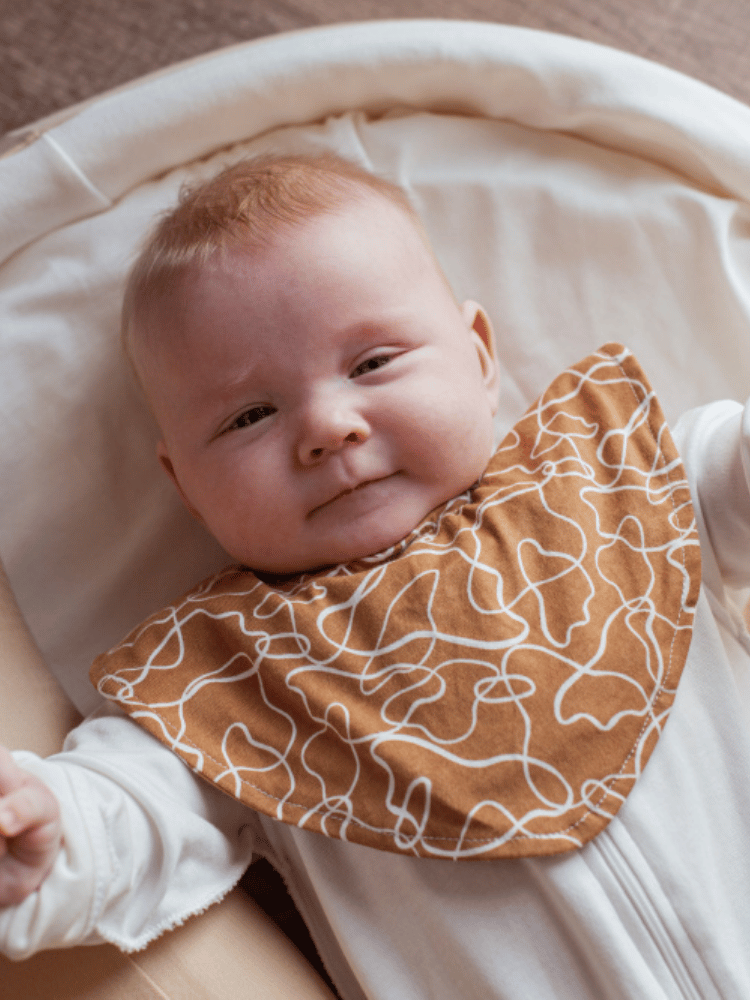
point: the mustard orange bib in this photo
(491, 687)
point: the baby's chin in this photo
(344, 556)
(371, 537)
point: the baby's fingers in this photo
(11, 775)
(30, 831)
(26, 804)
(28, 811)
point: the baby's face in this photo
(318, 398)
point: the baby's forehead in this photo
(360, 205)
(247, 264)
(371, 220)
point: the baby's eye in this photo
(252, 416)
(377, 361)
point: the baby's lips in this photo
(351, 489)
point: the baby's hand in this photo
(30, 831)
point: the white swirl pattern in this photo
(491, 687)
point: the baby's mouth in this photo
(343, 493)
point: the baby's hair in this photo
(245, 206)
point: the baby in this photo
(325, 408)
(308, 417)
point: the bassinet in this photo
(582, 195)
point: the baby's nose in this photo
(329, 427)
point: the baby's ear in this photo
(479, 323)
(166, 463)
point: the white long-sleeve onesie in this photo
(657, 906)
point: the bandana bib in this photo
(492, 686)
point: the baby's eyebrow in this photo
(376, 326)
(210, 404)
(236, 380)
(365, 328)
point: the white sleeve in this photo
(146, 843)
(714, 442)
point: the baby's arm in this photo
(251, 955)
(145, 844)
(30, 831)
(131, 816)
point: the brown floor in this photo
(54, 53)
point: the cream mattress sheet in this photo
(580, 194)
